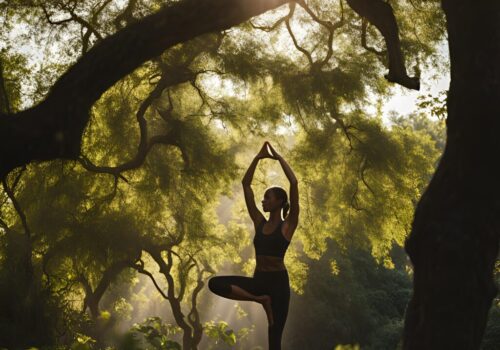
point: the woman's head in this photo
(275, 198)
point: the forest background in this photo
(114, 249)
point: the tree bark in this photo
(454, 240)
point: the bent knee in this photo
(218, 286)
(212, 283)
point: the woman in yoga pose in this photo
(269, 285)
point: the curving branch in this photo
(74, 17)
(53, 128)
(15, 202)
(140, 268)
(168, 78)
(364, 25)
(381, 15)
(295, 43)
(51, 21)
(90, 27)
(331, 27)
(194, 316)
(94, 296)
(362, 169)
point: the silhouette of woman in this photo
(269, 285)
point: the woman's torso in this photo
(270, 248)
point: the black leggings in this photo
(273, 283)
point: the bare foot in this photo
(265, 301)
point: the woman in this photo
(269, 285)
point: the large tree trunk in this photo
(454, 240)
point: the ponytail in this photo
(281, 194)
(286, 206)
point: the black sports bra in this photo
(274, 243)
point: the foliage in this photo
(362, 304)
(90, 228)
(220, 332)
(151, 332)
(364, 188)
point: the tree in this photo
(83, 230)
(454, 239)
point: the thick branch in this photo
(93, 297)
(53, 129)
(140, 268)
(194, 316)
(168, 78)
(380, 14)
(331, 27)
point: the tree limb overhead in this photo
(53, 128)
(381, 15)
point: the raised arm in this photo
(292, 217)
(255, 213)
